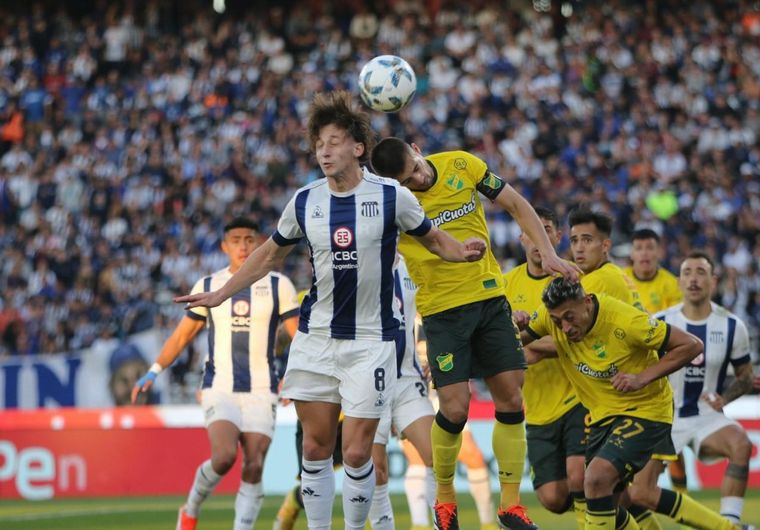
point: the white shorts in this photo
(357, 374)
(693, 430)
(408, 404)
(248, 411)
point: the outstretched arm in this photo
(526, 217)
(446, 247)
(264, 259)
(185, 331)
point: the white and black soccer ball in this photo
(387, 83)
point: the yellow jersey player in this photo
(590, 245)
(554, 415)
(617, 359)
(659, 290)
(657, 286)
(466, 317)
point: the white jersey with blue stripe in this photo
(352, 239)
(242, 332)
(406, 352)
(726, 341)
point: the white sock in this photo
(731, 508)
(480, 489)
(358, 487)
(248, 502)
(381, 511)
(318, 491)
(414, 487)
(205, 481)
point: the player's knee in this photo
(456, 412)
(575, 480)
(251, 471)
(223, 460)
(313, 450)
(557, 503)
(598, 485)
(355, 456)
(741, 449)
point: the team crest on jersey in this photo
(445, 362)
(716, 337)
(370, 209)
(241, 307)
(317, 213)
(343, 237)
(454, 182)
(599, 350)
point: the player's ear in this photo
(416, 148)
(607, 244)
(359, 149)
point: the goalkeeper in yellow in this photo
(617, 359)
(465, 315)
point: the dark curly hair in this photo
(560, 290)
(338, 108)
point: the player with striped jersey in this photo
(410, 413)
(343, 356)
(239, 389)
(699, 388)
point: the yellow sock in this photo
(579, 509)
(600, 513)
(684, 509)
(644, 518)
(509, 447)
(624, 520)
(446, 447)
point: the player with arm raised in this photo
(239, 388)
(343, 356)
(466, 317)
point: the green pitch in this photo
(159, 513)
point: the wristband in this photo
(156, 368)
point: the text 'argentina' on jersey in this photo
(345, 257)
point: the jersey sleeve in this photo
(288, 231)
(740, 353)
(200, 312)
(643, 329)
(288, 296)
(539, 323)
(485, 181)
(410, 216)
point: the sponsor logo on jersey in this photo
(446, 216)
(241, 319)
(619, 334)
(460, 163)
(596, 374)
(317, 213)
(343, 237)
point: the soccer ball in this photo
(387, 83)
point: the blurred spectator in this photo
(130, 131)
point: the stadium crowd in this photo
(131, 133)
